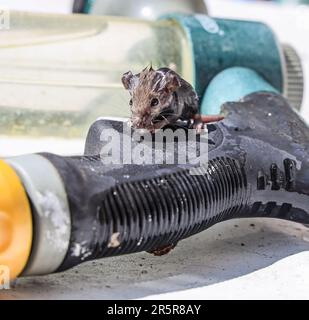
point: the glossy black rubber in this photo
(258, 167)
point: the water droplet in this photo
(140, 241)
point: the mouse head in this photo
(152, 97)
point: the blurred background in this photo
(66, 6)
(288, 18)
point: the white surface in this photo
(17, 146)
(272, 282)
(273, 262)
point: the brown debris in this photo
(162, 250)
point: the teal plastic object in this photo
(219, 44)
(88, 5)
(231, 85)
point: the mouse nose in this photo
(135, 121)
(141, 122)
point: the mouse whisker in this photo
(166, 114)
(164, 118)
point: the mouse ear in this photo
(128, 80)
(172, 82)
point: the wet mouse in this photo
(161, 97)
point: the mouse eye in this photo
(131, 102)
(154, 102)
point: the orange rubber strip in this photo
(15, 222)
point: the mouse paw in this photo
(162, 250)
(199, 122)
(198, 125)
